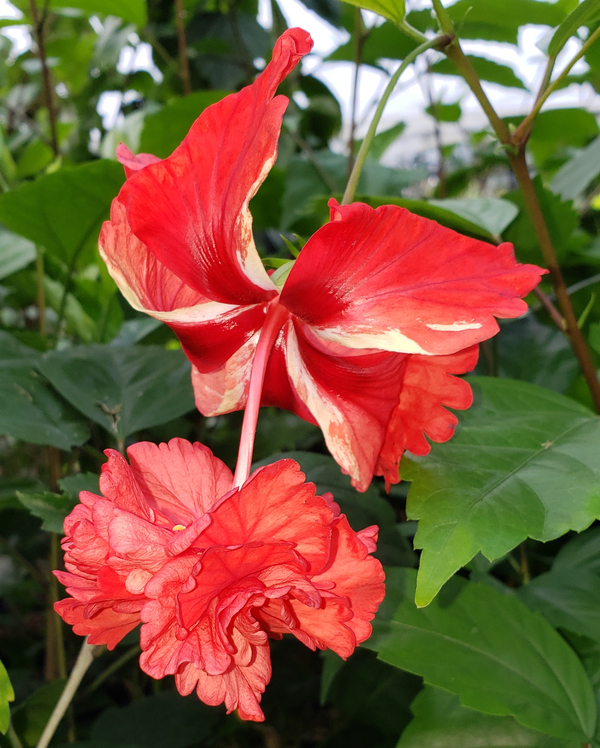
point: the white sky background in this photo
(409, 101)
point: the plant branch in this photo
(576, 338)
(38, 27)
(522, 132)
(184, 71)
(439, 42)
(112, 668)
(555, 315)
(84, 660)
(13, 737)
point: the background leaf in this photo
(124, 389)
(15, 253)
(6, 695)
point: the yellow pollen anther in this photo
(177, 528)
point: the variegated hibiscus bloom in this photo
(364, 331)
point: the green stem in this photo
(523, 130)
(411, 31)
(443, 17)
(439, 41)
(41, 296)
(13, 737)
(112, 668)
(84, 660)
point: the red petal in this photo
(180, 479)
(274, 505)
(352, 398)
(131, 162)
(210, 332)
(389, 279)
(191, 209)
(427, 387)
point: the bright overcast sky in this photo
(409, 102)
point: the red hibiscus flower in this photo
(360, 335)
(212, 571)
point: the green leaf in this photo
(73, 484)
(164, 720)
(583, 14)
(492, 214)
(15, 355)
(383, 42)
(131, 11)
(164, 130)
(383, 140)
(523, 463)
(568, 601)
(62, 211)
(6, 695)
(490, 650)
(487, 19)
(362, 509)
(581, 552)
(573, 178)
(50, 507)
(440, 721)
(528, 350)
(33, 412)
(487, 70)
(15, 253)
(393, 10)
(445, 112)
(31, 716)
(124, 389)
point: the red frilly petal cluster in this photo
(212, 572)
(379, 312)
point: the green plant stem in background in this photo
(522, 132)
(518, 163)
(13, 737)
(41, 296)
(180, 14)
(439, 41)
(84, 660)
(358, 45)
(112, 668)
(38, 27)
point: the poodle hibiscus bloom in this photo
(212, 571)
(360, 335)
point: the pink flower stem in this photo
(276, 316)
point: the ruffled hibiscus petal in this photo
(275, 504)
(389, 279)
(107, 627)
(427, 389)
(182, 480)
(119, 486)
(200, 226)
(210, 332)
(349, 398)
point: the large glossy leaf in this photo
(51, 508)
(523, 463)
(15, 253)
(487, 70)
(6, 695)
(494, 21)
(382, 42)
(492, 214)
(62, 211)
(490, 650)
(124, 389)
(164, 130)
(394, 10)
(584, 13)
(581, 552)
(131, 11)
(572, 179)
(362, 509)
(440, 720)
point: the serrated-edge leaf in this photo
(537, 484)
(394, 10)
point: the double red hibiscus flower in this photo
(360, 335)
